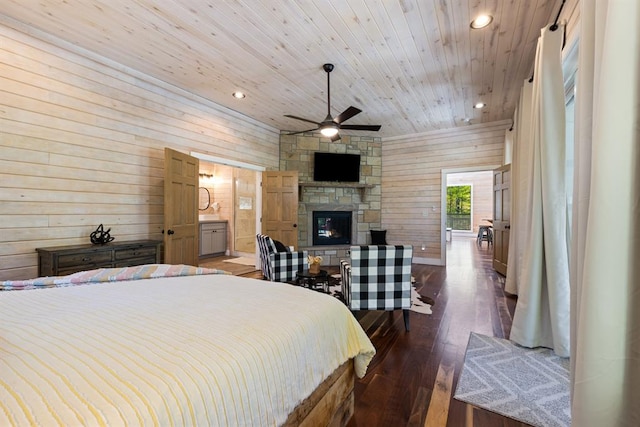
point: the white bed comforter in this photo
(196, 350)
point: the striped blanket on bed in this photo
(191, 350)
(148, 271)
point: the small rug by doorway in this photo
(241, 260)
(419, 304)
(528, 385)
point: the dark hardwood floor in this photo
(412, 378)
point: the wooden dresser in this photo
(63, 260)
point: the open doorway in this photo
(467, 203)
(232, 189)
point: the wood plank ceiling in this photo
(410, 65)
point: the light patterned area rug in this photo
(528, 385)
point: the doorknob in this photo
(507, 227)
(170, 232)
(295, 225)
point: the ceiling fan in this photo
(330, 126)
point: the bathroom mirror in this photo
(205, 199)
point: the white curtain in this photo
(606, 244)
(508, 146)
(521, 182)
(542, 311)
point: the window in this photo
(459, 207)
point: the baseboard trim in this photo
(427, 261)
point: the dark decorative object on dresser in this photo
(100, 237)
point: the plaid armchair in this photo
(279, 266)
(378, 278)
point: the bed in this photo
(175, 345)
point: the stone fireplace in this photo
(331, 228)
(331, 250)
(361, 200)
(321, 212)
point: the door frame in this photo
(443, 202)
(242, 165)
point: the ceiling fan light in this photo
(329, 131)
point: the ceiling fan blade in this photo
(361, 127)
(301, 118)
(302, 131)
(347, 114)
(335, 138)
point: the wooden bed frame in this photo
(330, 404)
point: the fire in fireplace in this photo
(331, 228)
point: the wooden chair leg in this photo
(405, 314)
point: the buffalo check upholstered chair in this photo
(279, 266)
(378, 277)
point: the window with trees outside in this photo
(459, 207)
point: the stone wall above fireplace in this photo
(296, 153)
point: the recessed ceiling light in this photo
(239, 95)
(481, 21)
(479, 105)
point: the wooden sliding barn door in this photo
(180, 208)
(280, 206)
(501, 217)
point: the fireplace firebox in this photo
(331, 228)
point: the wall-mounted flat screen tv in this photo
(336, 167)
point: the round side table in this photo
(318, 281)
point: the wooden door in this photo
(180, 208)
(245, 212)
(280, 206)
(501, 217)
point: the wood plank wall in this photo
(411, 179)
(81, 143)
(82, 140)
